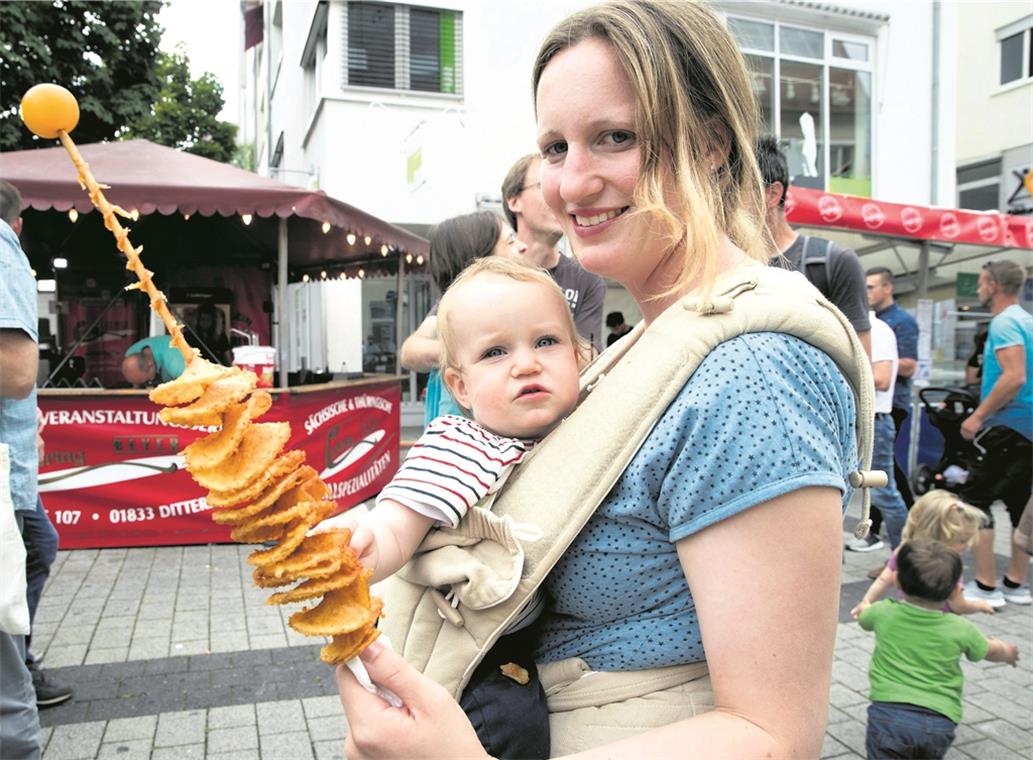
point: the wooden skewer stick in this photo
(158, 301)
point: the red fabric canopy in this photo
(815, 207)
(151, 178)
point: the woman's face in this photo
(507, 245)
(586, 133)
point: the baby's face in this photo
(518, 365)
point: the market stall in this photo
(213, 234)
(935, 255)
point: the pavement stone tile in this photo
(268, 641)
(149, 649)
(1006, 733)
(231, 716)
(183, 752)
(126, 729)
(131, 749)
(61, 655)
(73, 632)
(44, 735)
(80, 740)
(988, 749)
(332, 750)
(847, 699)
(295, 746)
(235, 739)
(193, 646)
(320, 707)
(96, 656)
(329, 727)
(832, 747)
(280, 717)
(152, 628)
(1004, 707)
(229, 641)
(179, 728)
(850, 733)
(238, 755)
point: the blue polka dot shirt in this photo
(765, 414)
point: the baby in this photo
(510, 354)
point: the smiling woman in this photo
(697, 605)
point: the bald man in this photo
(152, 359)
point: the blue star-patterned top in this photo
(765, 414)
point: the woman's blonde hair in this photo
(514, 270)
(694, 102)
(941, 516)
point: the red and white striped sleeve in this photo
(453, 465)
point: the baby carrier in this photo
(558, 487)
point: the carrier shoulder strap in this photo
(626, 389)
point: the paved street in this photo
(173, 654)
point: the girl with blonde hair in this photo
(938, 516)
(692, 563)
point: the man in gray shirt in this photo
(834, 270)
(537, 228)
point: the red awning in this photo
(807, 206)
(152, 178)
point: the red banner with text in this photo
(113, 472)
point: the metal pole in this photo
(399, 337)
(922, 289)
(280, 311)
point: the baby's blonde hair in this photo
(514, 270)
(941, 516)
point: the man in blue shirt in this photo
(19, 357)
(879, 282)
(1002, 429)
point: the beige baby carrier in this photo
(558, 487)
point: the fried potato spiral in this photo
(267, 495)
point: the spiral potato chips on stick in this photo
(265, 493)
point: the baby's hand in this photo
(1011, 654)
(364, 544)
(981, 605)
(861, 607)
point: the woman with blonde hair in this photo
(694, 560)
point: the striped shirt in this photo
(453, 465)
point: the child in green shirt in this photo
(915, 677)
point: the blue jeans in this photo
(888, 499)
(40, 540)
(896, 729)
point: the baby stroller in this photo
(947, 408)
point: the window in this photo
(404, 48)
(312, 58)
(1016, 51)
(979, 186)
(814, 91)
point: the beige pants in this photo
(588, 709)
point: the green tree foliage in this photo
(104, 52)
(185, 114)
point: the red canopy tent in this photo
(234, 216)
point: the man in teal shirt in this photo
(1002, 429)
(152, 358)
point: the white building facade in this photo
(995, 125)
(415, 112)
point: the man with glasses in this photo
(537, 228)
(1002, 429)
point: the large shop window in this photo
(814, 91)
(399, 47)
